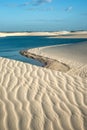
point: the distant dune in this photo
(72, 34)
(60, 34)
(4, 34)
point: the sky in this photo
(43, 15)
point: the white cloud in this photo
(38, 2)
(33, 2)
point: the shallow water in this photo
(10, 46)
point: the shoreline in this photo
(48, 62)
(64, 58)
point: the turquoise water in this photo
(10, 46)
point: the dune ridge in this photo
(36, 98)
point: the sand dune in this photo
(36, 98)
(5, 34)
(58, 34)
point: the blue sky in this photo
(43, 15)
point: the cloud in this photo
(33, 2)
(38, 2)
(68, 9)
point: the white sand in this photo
(60, 34)
(5, 34)
(73, 55)
(77, 34)
(36, 98)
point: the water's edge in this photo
(10, 46)
(47, 62)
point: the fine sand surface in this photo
(36, 98)
(71, 57)
(60, 34)
(5, 34)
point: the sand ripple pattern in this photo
(35, 98)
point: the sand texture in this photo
(35, 98)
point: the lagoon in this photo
(11, 46)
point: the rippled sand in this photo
(36, 98)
